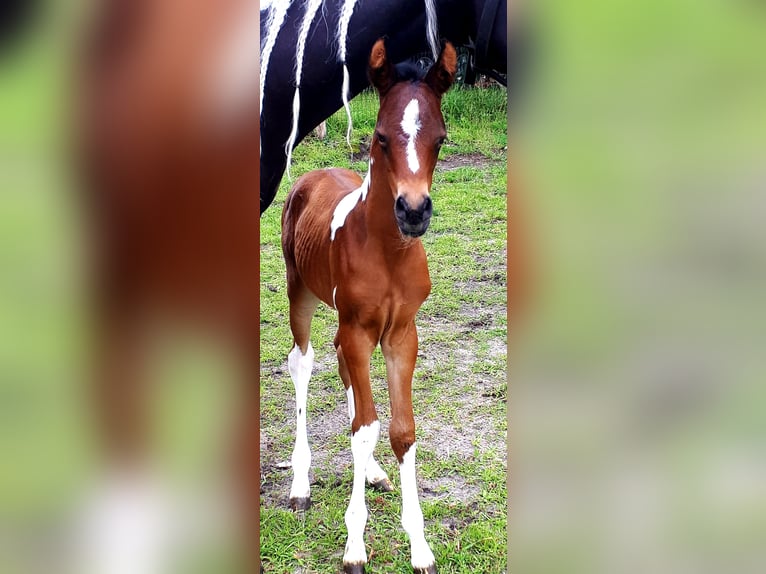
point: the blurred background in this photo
(48, 450)
(638, 409)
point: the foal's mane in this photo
(410, 72)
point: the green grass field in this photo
(459, 386)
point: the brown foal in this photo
(353, 244)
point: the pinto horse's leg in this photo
(376, 476)
(357, 347)
(400, 348)
(300, 362)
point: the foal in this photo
(354, 245)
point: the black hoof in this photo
(428, 570)
(302, 503)
(353, 568)
(383, 485)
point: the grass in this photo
(459, 386)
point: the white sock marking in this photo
(373, 472)
(348, 203)
(311, 9)
(300, 366)
(412, 516)
(126, 527)
(432, 28)
(410, 127)
(362, 445)
(351, 411)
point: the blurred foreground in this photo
(638, 410)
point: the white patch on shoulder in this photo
(348, 203)
(411, 127)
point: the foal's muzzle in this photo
(413, 221)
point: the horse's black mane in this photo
(409, 71)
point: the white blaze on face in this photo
(410, 127)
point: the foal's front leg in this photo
(400, 349)
(376, 476)
(357, 347)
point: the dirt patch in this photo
(464, 160)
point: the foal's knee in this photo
(402, 437)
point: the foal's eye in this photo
(382, 140)
(440, 143)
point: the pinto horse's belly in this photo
(306, 226)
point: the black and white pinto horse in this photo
(314, 58)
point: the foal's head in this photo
(409, 132)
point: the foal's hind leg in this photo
(375, 475)
(300, 361)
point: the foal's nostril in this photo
(427, 207)
(401, 205)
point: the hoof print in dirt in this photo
(298, 504)
(383, 485)
(428, 570)
(353, 568)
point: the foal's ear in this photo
(381, 71)
(442, 73)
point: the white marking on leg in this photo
(362, 445)
(351, 411)
(311, 9)
(300, 366)
(347, 204)
(412, 515)
(432, 28)
(334, 306)
(126, 527)
(410, 127)
(373, 471)
(345, 17)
